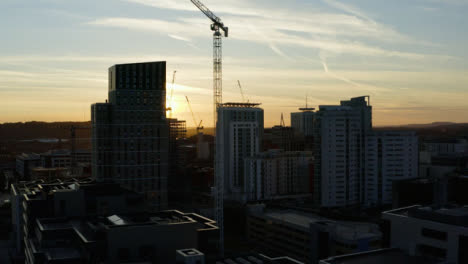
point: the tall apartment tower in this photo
(239, 133)
(355, 164)
(130, 131)
(338, 137)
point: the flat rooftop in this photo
(247, 105)
(258, 259)
(346, 230)
(452, 215)
(381, 256)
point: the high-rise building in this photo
(278, 173)
(239, 133)
(337, 156)
(389, 156)
(354, 164)
(130, 131)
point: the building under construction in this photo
(177, 128)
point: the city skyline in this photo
(413, 66)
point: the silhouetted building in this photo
(61, 158)
(61, 199)
(427, 191)
(25, 163)
(120, 238)
(303, 122)
(436, 232)
(177, 138)
(282, 137)
(130, 132)
(239, 135)
(277, 173)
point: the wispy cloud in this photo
(346, 32)
(348, 9)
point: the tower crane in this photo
(199, 125)
(217, 26)
(172, 92)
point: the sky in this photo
(410, 56)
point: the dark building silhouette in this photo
(130, 131)
(83, 221)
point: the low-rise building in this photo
(82, 221)
(32, 200)
(308, 237)
(437, 232)
(120, 238)
(380, 256)
(25, 163)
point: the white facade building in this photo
(355, 165)
(239, 133)
(440, 233)
(338, 157)
(389, 156)
(277, 173)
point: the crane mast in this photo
(217, 26)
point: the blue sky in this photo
(409, 56)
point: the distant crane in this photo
(198, 125)
(241, 91)
(217, 101)
(170, 98)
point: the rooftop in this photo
(258, 259)
(246, 105)
(345, 230)
(452, 215)
(381, 256)
(29, 156)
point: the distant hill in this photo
(36, 130)
(436, 129)
(61, 130)
(433, 124)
